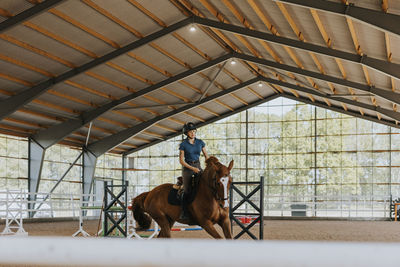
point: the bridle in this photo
(215, 190)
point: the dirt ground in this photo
(376, 231)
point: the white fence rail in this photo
(323, 206)
(48, 251)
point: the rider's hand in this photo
(196, 170)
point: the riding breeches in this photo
(187, 176)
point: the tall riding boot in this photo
(185, 212)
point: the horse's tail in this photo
(143, 219)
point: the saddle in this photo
(175, 194)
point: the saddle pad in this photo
(173, 197)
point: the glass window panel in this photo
(305, 176)
(305, 160)
(348, 126)
(305, 128)
(333, 159)
(349, 159)
(364, 158)
(275, 113)
(304, 112)
(365, 175)
(321, 190)
(349, 176)
(381, 174)
(275, 129)
(395, 143)
(349, 143)
(381, 158)
(364, 126)
(381, 190)
(333, 127)
(321, 176)
(381, 142)
(289, 129)
(289, 161)
(322, 144)
(380, 128)
(289, 145)
(274, 145)
(334, 143)
(395, 178)
(304, 144)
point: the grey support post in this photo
(88, 169)
(35, 164)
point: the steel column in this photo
(35, 164)
(88, 169)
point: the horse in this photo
(209, 206)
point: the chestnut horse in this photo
(209, 207)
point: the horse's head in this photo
(220, 178)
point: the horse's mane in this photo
(211, 160)
(212, 165)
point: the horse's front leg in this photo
(226, 227)
(209, 227)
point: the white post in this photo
(80, 230)
(14, 216)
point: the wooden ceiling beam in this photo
(16, 80)
(26, 65)
(36, 50)
(358, 49)
(51, 75)
(180, 38)
(328, 41)
(251, 66)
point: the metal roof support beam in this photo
(88, 169)
(340, 110)
(212, 82)
(386, 94)
(390, 113)
(222, 116)
(13, 103)
(28, 14)
(52, 135)
(378, 19)
(35, 164)
(102, 146)
(382, 66)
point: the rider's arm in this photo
(183, 162)
(204, 152)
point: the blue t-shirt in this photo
(192, 151)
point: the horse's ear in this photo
(230, 165)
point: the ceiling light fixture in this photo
(192, 28)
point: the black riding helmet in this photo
(188, 127)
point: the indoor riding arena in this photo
(199, 132)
